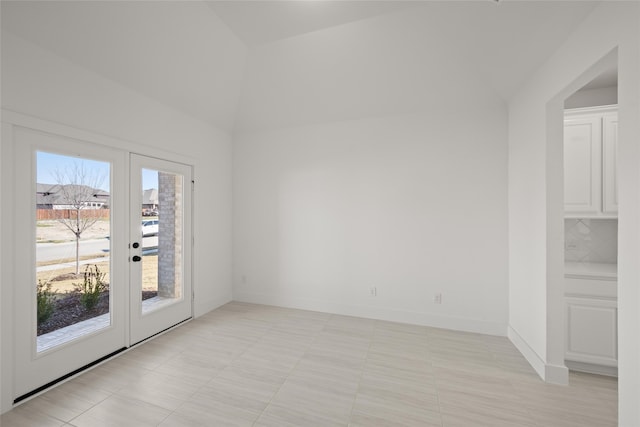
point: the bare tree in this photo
(78, 192)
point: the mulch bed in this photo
(69, 310)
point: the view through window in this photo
(73, 265)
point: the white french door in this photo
(91, 278)
(160, 249)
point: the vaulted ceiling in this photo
(242, 65)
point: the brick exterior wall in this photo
(170, 234)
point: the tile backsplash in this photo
(591, 240)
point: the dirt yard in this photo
(62, 280)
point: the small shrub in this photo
(46, 299)
(92, 286)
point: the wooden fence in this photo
(51, 214)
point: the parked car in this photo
(150, 212)
(150, 227)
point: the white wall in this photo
(373, 155)
(413, 205)
(40, 84)
(413, 60)
(535, 271)
(178, 53)
(593, 97)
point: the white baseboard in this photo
(590, 368)
(378, 313)
(556, 374)
(203, 307)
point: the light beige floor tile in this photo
(64, 403)
(323, 382)
(165, 391)
(467, 419)
(329, 368)
(270, 360)
(332, 361)
(240, 389)
(483, 407)
(347, 332)
(151, 354)
(335, 338)
(121, 411)
(211, 413)
(359, 419)
(278, 415)
(398, 396)
(299, 326)
(404, 389)
(312, 400)
(22, 416)
(112, 376)
(249, 378)
(351, 323)
(287, 341)
(393, 371)
(562, 418)
(196, 367)
(596, 383)
(247, 364)
(375, 407)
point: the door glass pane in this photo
(72, 248)
(162, 238)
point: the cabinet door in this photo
(582, 165)
(591, 331)
(609, 163)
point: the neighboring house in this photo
(54, 196)
(150, 200)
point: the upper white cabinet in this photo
(609, 162)
(590, 146)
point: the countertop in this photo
(591, 270)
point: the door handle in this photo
(136, 258)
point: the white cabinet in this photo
(609, 162)
(591, 324)
(582, 160)
(592, 336)
(590, 146)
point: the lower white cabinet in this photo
(591, 318)
(591, 331)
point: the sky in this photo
(48, 163)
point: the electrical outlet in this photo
(373, 291)
(437, 298)
(570, 245)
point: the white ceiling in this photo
(200, 57)
(259, 22)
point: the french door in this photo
(160, 253)
(103, 253)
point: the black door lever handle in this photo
(136, 258)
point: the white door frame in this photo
(143, 325)
(34, 369)
(11, 121)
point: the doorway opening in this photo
(582, 223)
(591, 225)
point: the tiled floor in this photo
(252, 365)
